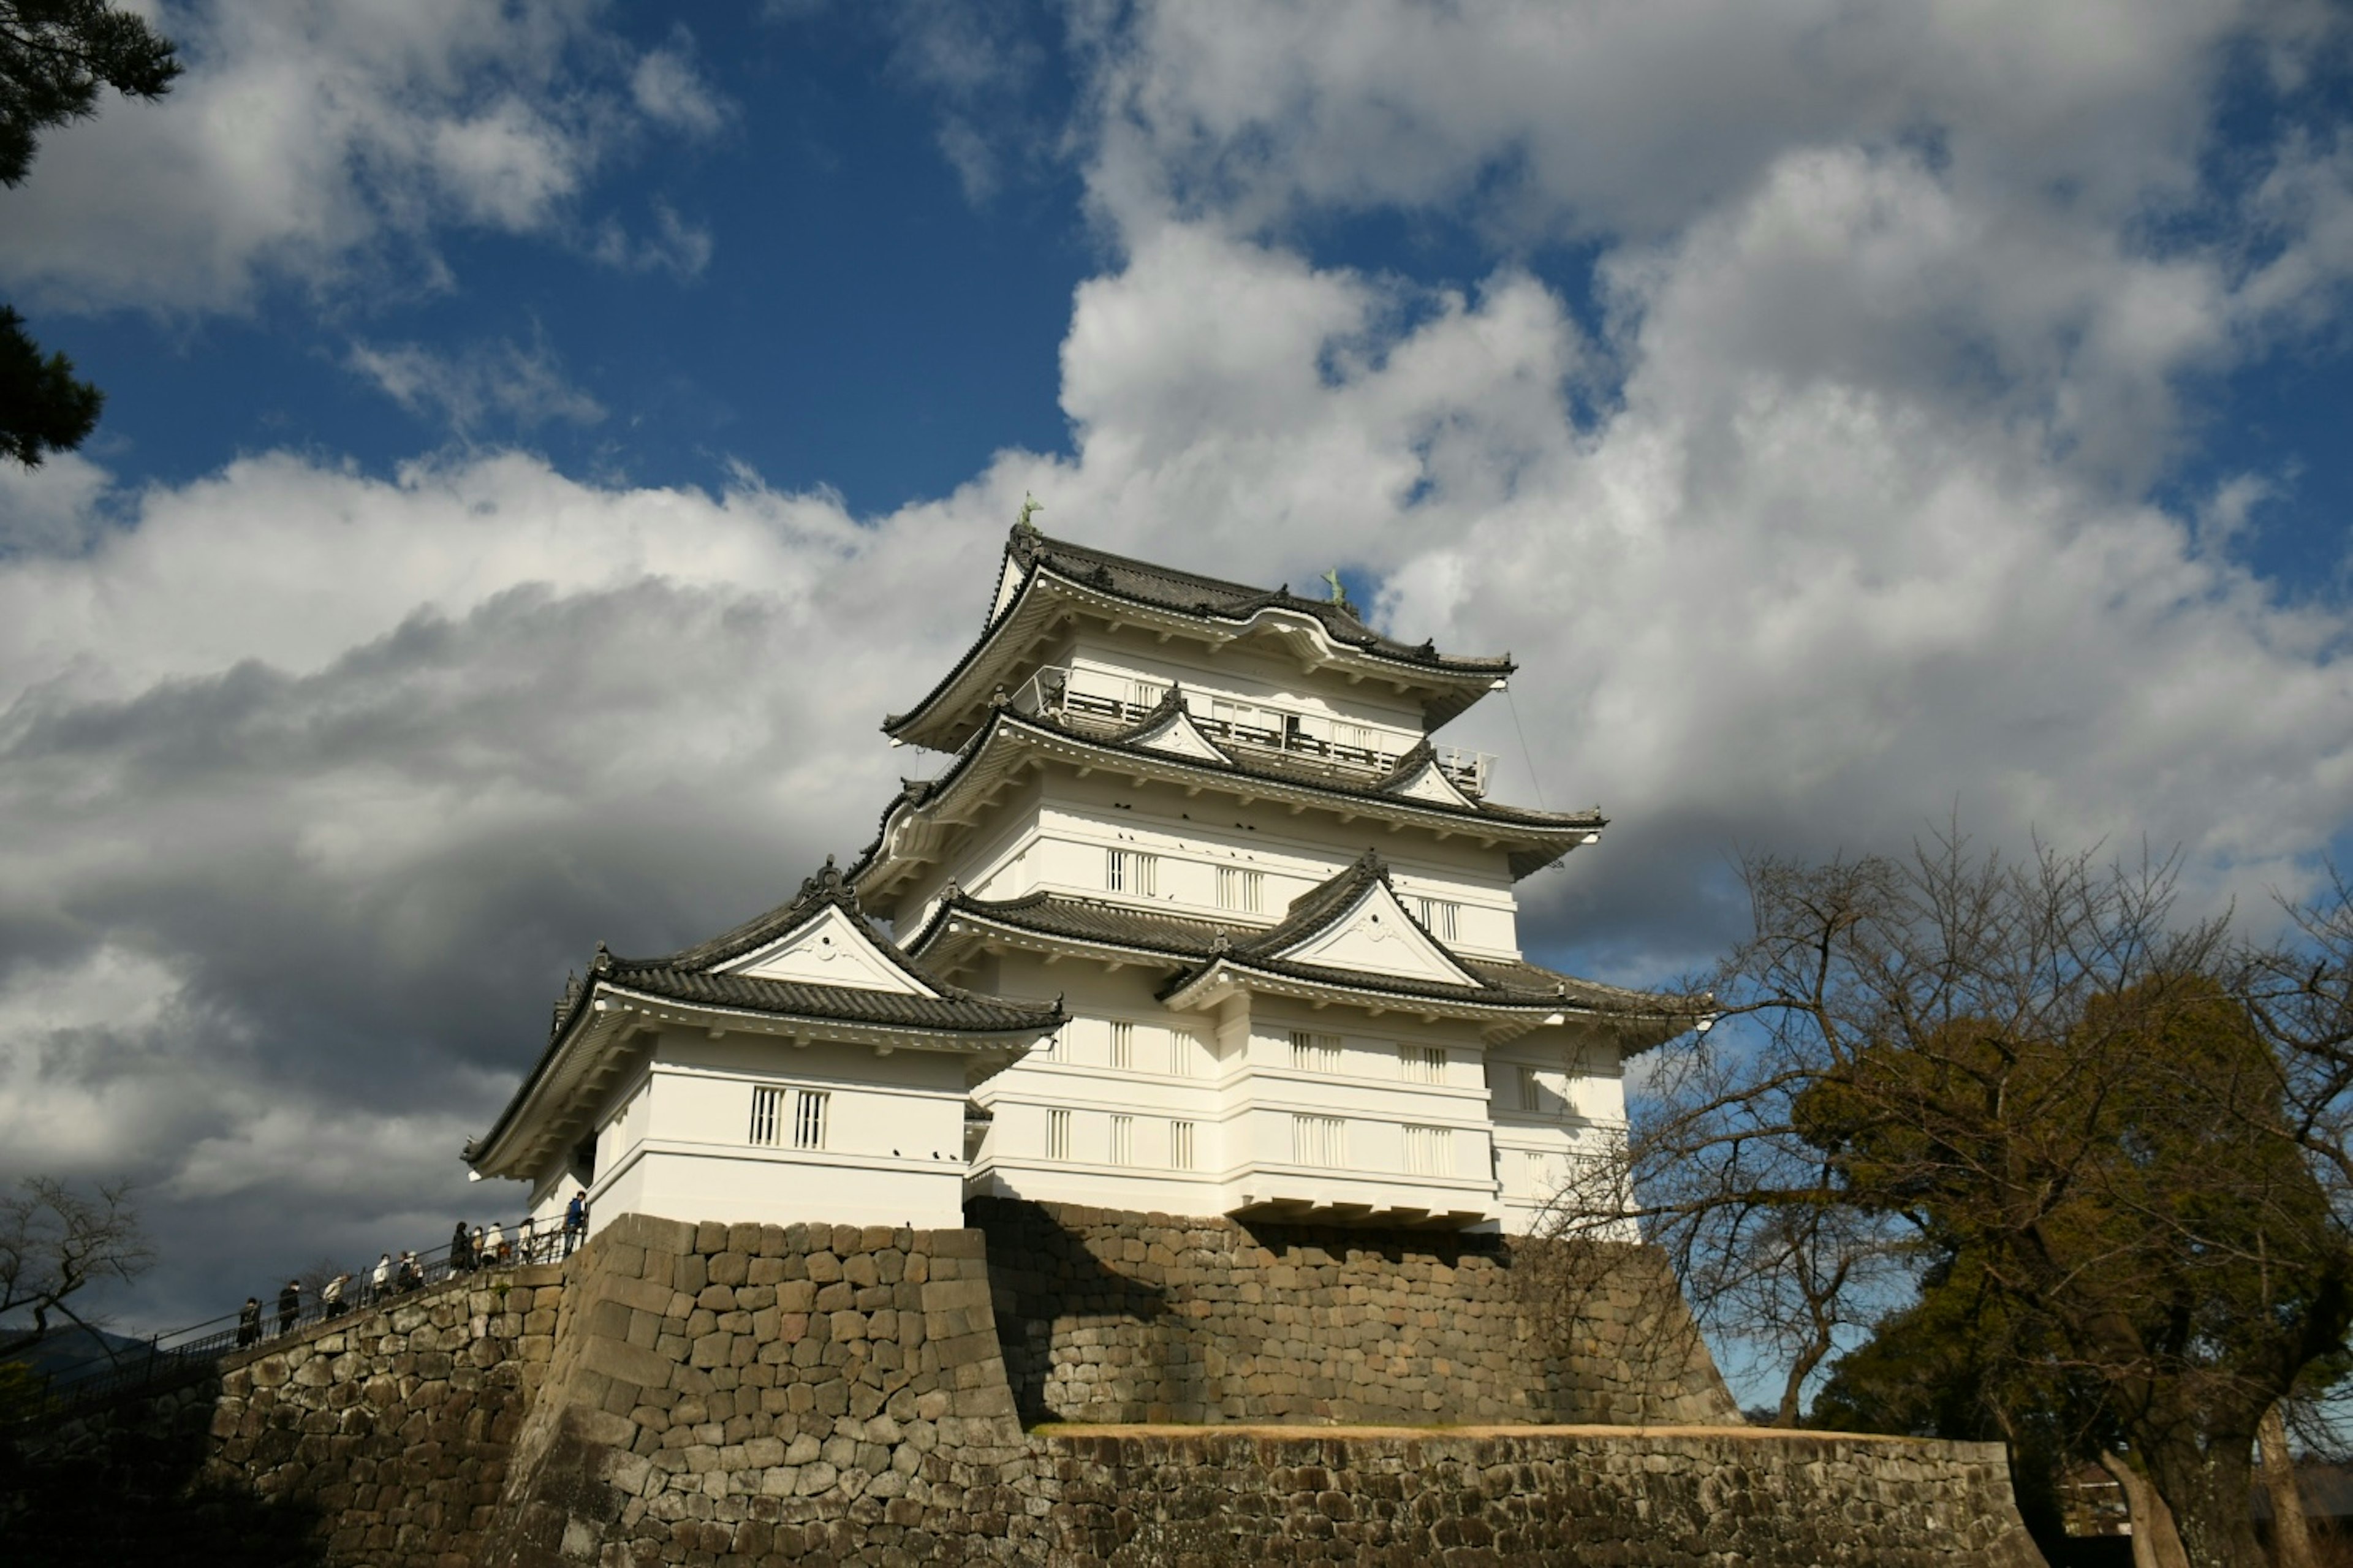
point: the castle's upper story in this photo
(1268, 654)
(1224, 730)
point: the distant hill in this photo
(73, 1354)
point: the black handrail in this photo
(184, 1354)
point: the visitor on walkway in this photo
(483, 1258)
(331, 1297)
(411, 1276)
(289, 1306)
(249, 1323)
(380, 1282)
(575, 1221)
(462, 1250)
(496, 1241)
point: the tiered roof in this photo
(1198, 953)
(896, 1000)
(1533, 839)
(1045, 579)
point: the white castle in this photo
(1196, 920)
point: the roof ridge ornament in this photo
(1030, 506)
(603, 962)
(1339, 595)
(829, 886)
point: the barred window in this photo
(1058, 1135)
(1422, 1063)
(1318, 1141)
(767, 1112)
(1122, 1044)
(1180, 1145)
(1314, 1053)
(1134, 872)
(1532, 1094)
(1145, 694)
(1241, 889)
(1180, 1054)
(1443, 920)
(1428, 1151)
(809, 1117)
(1122, 1140)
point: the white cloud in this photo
(522, 386)
(321, 142)
(672, 92)
(676, 246)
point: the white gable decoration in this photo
(1377, 938)
(1010, 579)
(1181, 737)
(830, 949)
(1431, 783)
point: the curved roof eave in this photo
(1500, 824)
(1474, 674)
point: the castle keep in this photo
(1197, 918)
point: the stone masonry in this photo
(717, 1396)
(748, 1391)
(1117, 1316)
(1493, 1496)
(394, 1421)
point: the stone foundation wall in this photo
(1117, 1316)
(1500, 1497)
(734, 1392)
(393, 1423)
(717, 1396)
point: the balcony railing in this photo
(1093, 699)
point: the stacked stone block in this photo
(394, 1423)
(721, 1396)
(740, 1391)
(1108, 1316)
(1808, 1501)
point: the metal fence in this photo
(187, 1354)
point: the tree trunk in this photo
(2207, 1494)
(2155, 1542)
(2291, 1540)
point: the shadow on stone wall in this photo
(1048, 1286)
(1108, 1317)
(126, 1488)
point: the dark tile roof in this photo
(1278, 769)
(688, 976)
(1188, 593)
(1205, 598)
(1193, 945)
(958, 1011)
(917, 792)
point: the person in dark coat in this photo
(249, 1323)
(289, 1306)
(461, 1249)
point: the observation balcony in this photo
(1104, 703)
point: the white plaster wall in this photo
(677, 1142)
(1247, 674)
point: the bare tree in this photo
(2114, 1143)
(55, 1243)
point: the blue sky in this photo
(542, 441)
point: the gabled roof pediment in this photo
(1170, 728)
(1417, 777)
(1373, 935)
(830, 949)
